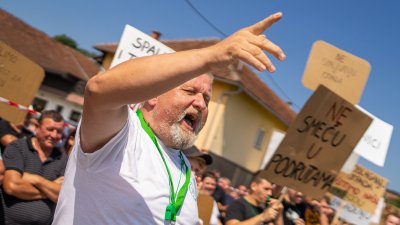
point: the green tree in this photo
(395, 202)
(66, 40)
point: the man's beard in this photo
(180, 138)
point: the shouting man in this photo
(127, 166)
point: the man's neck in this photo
(40, 149)
(252, 200)
(154, 126)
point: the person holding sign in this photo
(257, 207)
(127, 166)
(293, 208)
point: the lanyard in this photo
(175, 203)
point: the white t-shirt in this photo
(124, 182)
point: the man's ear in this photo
(152, 102)
(253, 186)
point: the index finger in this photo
(261, 26)
(275, 203)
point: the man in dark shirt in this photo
(222, 197)
(294, 208)
(34, 173)
(219, 196)
(252, 209)
(10, 132)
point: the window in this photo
(59, 108)
(75, 116)
(259, 138)
(39, 104)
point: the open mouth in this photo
(191, 120)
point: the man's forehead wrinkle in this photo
(202, 87)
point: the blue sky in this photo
(368, 29)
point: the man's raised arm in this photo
(107, 95)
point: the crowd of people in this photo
(36, 159)
(33, 165)
(139, 166)
(255, 204)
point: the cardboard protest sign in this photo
(20, 78)
(317, 144)
(340, 71)
(374, 145)
(135, 43)
(362, 188)
(354, 215)
(205, 204)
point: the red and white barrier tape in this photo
(21, 107)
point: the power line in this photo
(290, 101)
(205, 19)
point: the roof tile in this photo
(43, 50)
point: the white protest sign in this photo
(378, 212)
(354, 215)
(276, 139)
(374, 144)
(350, 163)
(135, 43)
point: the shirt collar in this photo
(55, 154)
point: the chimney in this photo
(155, 34)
